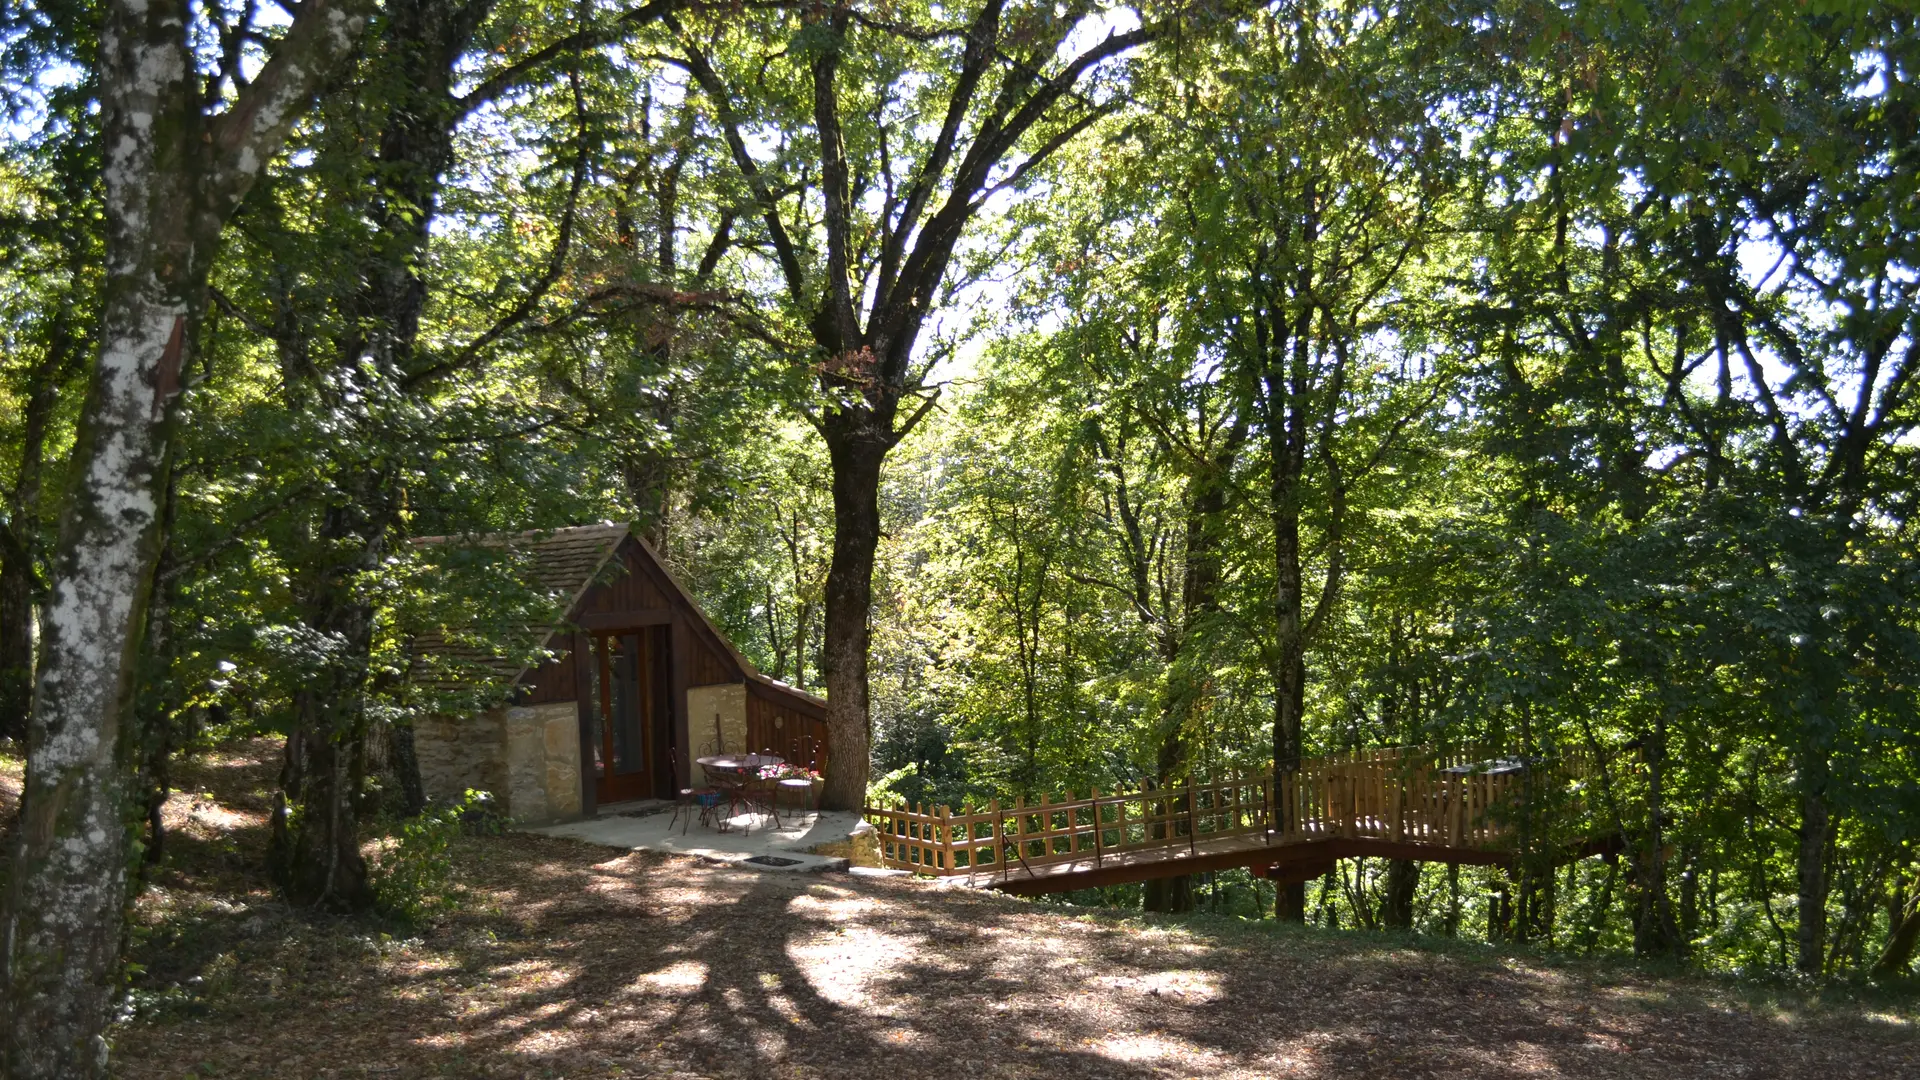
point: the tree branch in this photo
(244, 138)
(556, 261)
(697, 65)
(981, 38)
(833, 185)
(511, 75)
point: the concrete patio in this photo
(651, 827)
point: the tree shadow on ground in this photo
(575, 961)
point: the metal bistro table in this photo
(735, 775)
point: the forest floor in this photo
(568, 960)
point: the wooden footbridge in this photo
(1401, 803)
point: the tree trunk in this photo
(1655, 933)
(1286, 426)
(1171, 895)
(170, 180)
(20, 534)
(1500, 910)
(1187, 650)
(67, 886)
(154, 712)
(1815, 833)
(16, 628)
(856, 450)
(1403, 881)
(316, 852)
(406, 766)
(1452, 925)
(1902, 940)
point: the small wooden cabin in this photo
(641, 683)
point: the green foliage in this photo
(1574, 343)
(413, 879)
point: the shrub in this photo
(413, 877)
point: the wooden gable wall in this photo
(634, 593)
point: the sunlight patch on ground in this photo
(531, 1016)
(1532, 1060)
(840, 908)
(1296, 1061)
(1520, 1058)
(682, 977)
(203, 818)
(846, 967)
(545, 1042)
(1182, 985)
(429, 965)
(1153, 1047)
(529, 972)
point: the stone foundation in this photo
(528, 756)
(460, 752)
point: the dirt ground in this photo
(573, 961)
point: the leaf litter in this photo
(572, 961)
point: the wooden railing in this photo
(935, 840)
(1402, 794)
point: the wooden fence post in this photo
(1193, 819)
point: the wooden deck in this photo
(1403, 802)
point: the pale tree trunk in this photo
(68, 882)
(171, 180)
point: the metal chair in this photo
(689, 799)
(806, 755)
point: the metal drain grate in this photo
(773, 860)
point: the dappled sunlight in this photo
(1188, 986)
(683, 977)
(547, 1041)
(838, 906)
(566, 962)
(854, 967)
(1153, 1048)
(204, 818)
(532, 1015)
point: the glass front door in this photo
(630, 691)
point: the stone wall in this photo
(528, 756)
(717, 720)
(543, 762)
(460, 752)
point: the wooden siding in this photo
(630, 587)
(634, 590)
(554, 681)
(778, 721)
(706, 665)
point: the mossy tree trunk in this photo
(172, 177)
